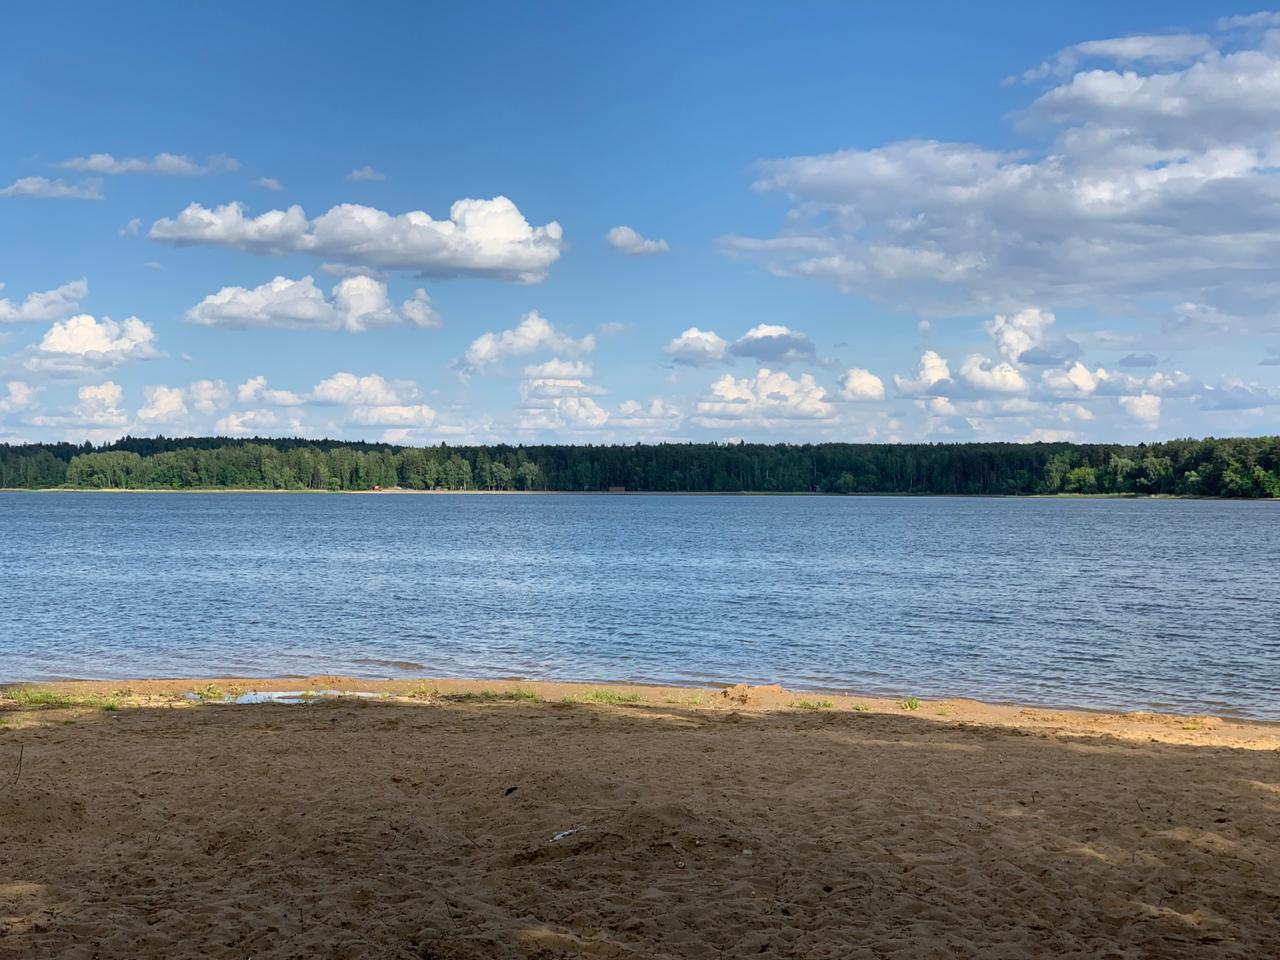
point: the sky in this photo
(609, 223)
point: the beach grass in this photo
(811, 704)
(493, 696)
(609, 696)
(909, 703)
(35, 698)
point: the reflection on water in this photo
(1117, 603)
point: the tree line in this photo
(1234, 467)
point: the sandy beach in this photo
(451, 819)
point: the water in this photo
(1123, 604)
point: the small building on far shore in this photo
(617, 489)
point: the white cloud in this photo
(774, 343)
(1077, 380)
(557, 368)
(45, 306)
(546, 388)
(163, 405)
(532, 334)
(246, 422)
(1144, 407)
(82, 343)
(368, 391)
(1026, 337)
(255, 390)
(269, 183)
(44, 188)
(657, 414)
(859, 384)
(358, 303)
(393, 415)
(628, 241)
(1232, 393)
(209, 396)
(981, 373)
(581, 412)
(766, 399)
(1152, 49)
(165, 164)
(365, 174)
(1160, 183)
(17, 396)
(697, 347)
(132, 228)
(933, 370)
(487, 238)
(100, 404)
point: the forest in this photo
(1236, 467)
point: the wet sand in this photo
(440, 820)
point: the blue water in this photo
(1110, 603)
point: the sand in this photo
(677, 825)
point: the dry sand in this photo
(688, 825)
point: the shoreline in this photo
(361, 684)
(501, 819)
(1164, 726)
(398, 491)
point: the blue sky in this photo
(598, 223)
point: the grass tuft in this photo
(610, 696)
(51, 700)
(909, 703)
(493, 696)
(859, 707)
(812, 704)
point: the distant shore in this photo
(643, 493)
(469, 819)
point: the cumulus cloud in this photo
(1144, 407)
(983, 374)
(1232, 393)
(244, 423)
(768, 398)
(658, 414)
(774, 343)
(255, 390)
(368, 391)
(393, 415)
(83, 343)
(165, 164)
(532, 334)
(209, 396)
(1159, 184)
(163, 405)
(46, 189)
(557, 368)
(697, 347)
(46, 305)
(98, 405)
(626, 240)
(358, 303)
(365, 174)
(17, 396)
(269, 183)
(859, 384)
(485, 238)
(933, 370)
(547, 388)
(1141, 49)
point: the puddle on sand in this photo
(282, 696)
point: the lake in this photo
(1123, 604)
